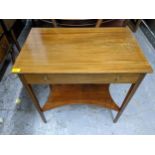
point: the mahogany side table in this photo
(79, 64)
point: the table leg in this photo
(128, 97)
(33, 97)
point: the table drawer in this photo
(80, 78)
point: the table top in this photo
(81, 50)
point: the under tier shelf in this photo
(97, 94)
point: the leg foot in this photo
(33, 97)
(128, 97)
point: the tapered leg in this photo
(33, 97)
(128, 97)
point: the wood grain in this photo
(73, 94)
(81, 50)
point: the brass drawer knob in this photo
(45, 78)
(117, 78)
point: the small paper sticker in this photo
(15, 70)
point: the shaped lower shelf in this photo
(97, 94)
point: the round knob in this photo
(45, 78)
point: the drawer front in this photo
(4, 46)
(80, 79)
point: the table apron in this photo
(81, 78)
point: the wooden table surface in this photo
(81, 50)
